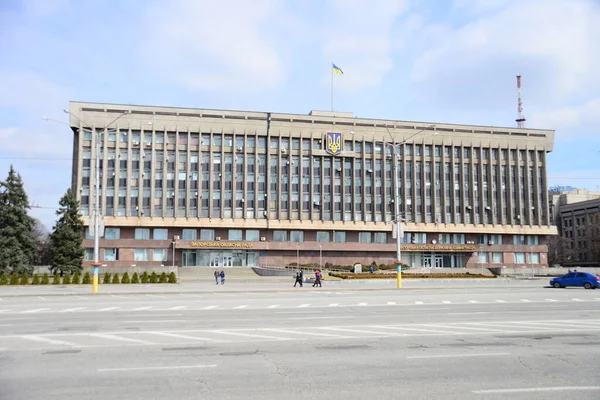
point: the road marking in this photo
(361, 331)
(462, 327)
(391, 303)
(156, 368)
(273, 306)
(468, 313)
(177, 308)
(141, 308)
(303, 305)
(119, 297)
(552, 300)
(109, 308)
(82, 298)
(421, 330)
(251, 335)
(34, 311)
(240, 307)
(73, 309)
(42, 298)
(576, 299)
(334, 305)
(209, 308)
(473, 301)
(46, 340)
(500, 301)
(418, 302)
(115, 337)
(539, 389)
(180, 336)
(459, 355)
(157, 321)
(363, 304)
(446, 302)
(307, 333)
(525, 301)
(155, 296)
(7, 310)
(333, 317)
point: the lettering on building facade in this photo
(439, 247)
(227, 245)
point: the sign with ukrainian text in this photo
(439, 247)
(333, 143)
(223, 245)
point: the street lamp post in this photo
(321, 256)
(398, 220)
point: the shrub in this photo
(76, 279)
(135, 278)
(153, 278)
(14, 279)
(66, 279)
(4, 279)
(106, 278)
(36, 279)
(24, 280)
(116, 279)
(145, 277)
(45, 279)
(56, 279)
(163, 278)
(125, 278)
(172, 277)
(87, 278)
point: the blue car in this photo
(579, 279)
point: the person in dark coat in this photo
(217, 276)
(222, 277)
(298, 278)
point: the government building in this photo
(217, 188)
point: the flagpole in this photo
(331, 67)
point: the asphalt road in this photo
(518, 343)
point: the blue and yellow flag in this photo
(337, 69)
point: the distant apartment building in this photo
(579, 222)
(216, 188)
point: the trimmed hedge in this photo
(66, 279)
(24, 280)
(145, 278)
(106, 279)
(45, 279)
(56, 279)
(4, 279)
(135, 278)
(36, 279)
(87, 278)
(153, 277)
(14, 279)
(76, 279)
(172, 277)
(163, 278)
(116, 280)
(125, 278)
(408, 276)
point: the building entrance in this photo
(220, 258)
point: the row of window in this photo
(498, 258)
(357, 145)
(253, 235)
(112, 254)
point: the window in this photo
(89, 254)
(364, 237)
(459, 238)
(253, 235)
(519, 258)
(380, 237)
(534, 258)
(496, 239)
(533, 240)
(482, 258)
(280, 236)
(444, 238)
(519, 239)
(323, 237)
(140, 254)
(419, 238)
(88, 233)
(160, 234)
(112, 233)
(482, 239)
(142, 234)
(111, 254)
(339, 237)
(497, 258)
(159, 255)
(296, 236)
(207, 234)
(189, 234)
(234, 234)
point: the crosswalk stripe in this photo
(576, 299)
(421, 330)
(273, 306)
(251, 335)
(109, 308)
(177, 308)
(209, 307)
(73, 309)
(119, 338)
(419, 302)
(446, 302)
(473, 301)
(4, 310)
(240, 307)
(500, 301)
(363, 304)
(43, 339)
(552, 300)
(34, 311)
(141, 308)
(391, 303)
(303, 305)
(359, 331)
(525, 301)
(180, 336)
(462, 327)
(306, 333)
(334, 304)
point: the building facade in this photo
(198, 188)
(579, 223)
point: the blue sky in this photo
(438, 60)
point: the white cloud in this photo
(555, 40)
(358, 39)
(581, 118)
(212, 44)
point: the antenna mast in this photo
(520, 118)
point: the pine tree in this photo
(66, 250)
(17, 242)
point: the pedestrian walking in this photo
(222, 277)
(298, 278)
(216, 276)
(319, 278)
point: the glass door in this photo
(427, 261)
(227, 259)
(215, 259)
(439, 262)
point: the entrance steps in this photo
(232, 274)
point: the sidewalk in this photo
(268, 286)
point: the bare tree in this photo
(559, 250)
(42, 243)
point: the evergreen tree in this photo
(17, 241)
(67, 253)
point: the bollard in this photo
(95, 278)
(399, 274)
